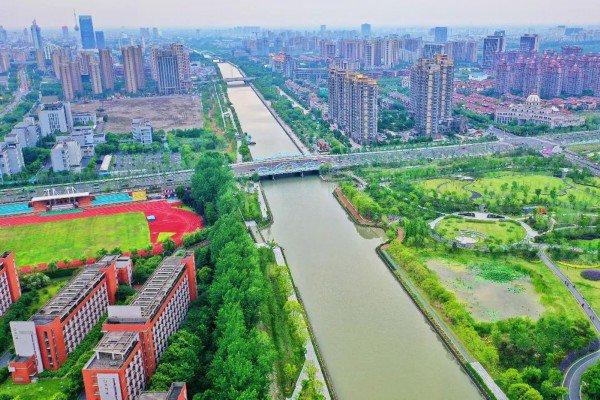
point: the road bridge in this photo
(244, 79)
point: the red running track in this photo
(169, 217)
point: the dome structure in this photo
(533, 99)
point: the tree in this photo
(591, 382)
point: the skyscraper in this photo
(66, 79)
(36, 36)
(133, 68)
(492, 45)
(107, 69)
(353, 104)
(183, 65)
(86, 28)
(440, 34)
(431, 85)
(529, 43)
(168, 72)
(100, 42)
(56, 56)
(95, 76)
(365, 30)
(65, 31)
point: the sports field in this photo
(75, 238)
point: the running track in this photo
(169, 218)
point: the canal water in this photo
(375, 343)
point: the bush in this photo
(591, 274)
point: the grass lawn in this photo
(44, 389)
(162, 236)
(497, 184)
(484, 232)
(589, 289)
(75, 238)
(446, 185)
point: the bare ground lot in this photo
(164, 112)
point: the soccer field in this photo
(75, 238)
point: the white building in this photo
(28, 132)
(533, 112)
(66, 156)
(86, 130)
(55, 118)
(11, 158)
(141, 130)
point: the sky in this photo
(300, 13)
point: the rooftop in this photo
(71, 295)
(112, 350)
(153, 293)
(172, 394)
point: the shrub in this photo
(591, 274)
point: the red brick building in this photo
(45, 341)
(10, 288)
(137, 334)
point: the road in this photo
(572, 379)
(548, 141)
(19, 93)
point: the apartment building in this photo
(45, 341)
(133, 68)
(353, 104)
(431, 87)
(10, 287)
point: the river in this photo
(375, 343)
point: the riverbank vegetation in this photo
(242, 333)
(308, 127)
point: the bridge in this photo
(244, 79)
(299, 164)
(272, 167)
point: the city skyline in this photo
(311, 13)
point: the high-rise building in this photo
(529, 43)
(11, 158)
(36, 36)
(353, 104)
(430, 50)
(100, 41)
(10, 287)
(168, 72)
(86, 29)
(65, 31)
(440, 34)
(431, 87)
(183, 66)
(56, 57)
(492, 46)
(107, 69)
(66, 79)
(4, 61)
(95, 76)
(365, 30)
(40, 60)
(133, 68)
(3, 35)
(462, 51)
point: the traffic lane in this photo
(573, 376)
